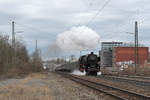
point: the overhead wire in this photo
(87, 10)
(105, 4)
(98, 12)
(90, 21)
(29, 27)
(123, 23)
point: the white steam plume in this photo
(77, 72)
(78, 38)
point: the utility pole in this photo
(136, 52)
(137, 44)
(13, 44)
(36, 55)
(13, 34)
(136, 58)
(36, 45)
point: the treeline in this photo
(14, 59)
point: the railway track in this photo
(137, 77)
(115, 92)
(140, 82)
(128, 76)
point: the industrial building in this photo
(117, 54)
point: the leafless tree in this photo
(16, 59)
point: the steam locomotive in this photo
(89, 64)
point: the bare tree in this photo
(16, 59)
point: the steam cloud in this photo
(78, 38)
(77, 72)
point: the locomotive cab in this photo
(82, 63)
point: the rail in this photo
(139, 82)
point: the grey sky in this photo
(52, 17)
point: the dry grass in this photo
(47, 87)
(36, 75)
(21, 91)
(141, 71)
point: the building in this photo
(117, 54)
(107, 53)
(126, 54)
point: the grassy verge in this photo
(21, 91)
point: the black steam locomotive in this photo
(89, 64)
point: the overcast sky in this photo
(45, 19)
